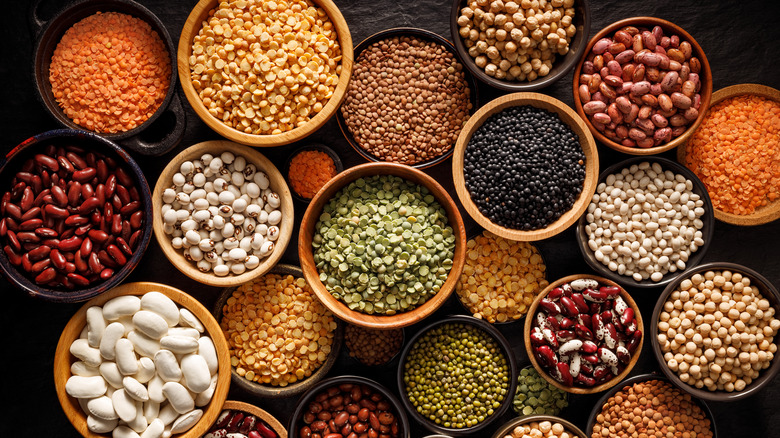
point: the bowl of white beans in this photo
(648, 221)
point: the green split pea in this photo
(537, 396)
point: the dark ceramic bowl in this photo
(89, 141)
(767, 290)
(423, 35)
(506, 350)
(693, 260)
(158, 134)
(310, 147)
(561, 66)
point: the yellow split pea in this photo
(278, 332)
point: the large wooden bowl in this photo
(278, 184)
(191, 28)
(569, 117)
(306, 254)
(577, 389)
(769, 212)
(72, 331)
(705, 75)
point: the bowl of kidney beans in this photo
(243, 420)
(583, 334)
(348, 406)
(75, 215)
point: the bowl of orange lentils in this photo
(309, 168)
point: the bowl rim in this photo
(767, 290)
(430, 37)
(193, 25)
(567, 116)
(615, 379)
(504, 429)
(705, 92)
(506, 350)
(260, 413)
(310, 271)
(598, 406)
(94, 142)
(270, 391)
(354, 379)
(693, 260)
(568, 61)
(63, 358)
(315, 146)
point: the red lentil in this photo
(309, 171)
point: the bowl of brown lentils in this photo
(373, 347)
(408, 98)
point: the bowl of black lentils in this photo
(457, 376)
(525, 166)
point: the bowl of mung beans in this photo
(457, 376)
(547, 426)
(382, 245)
(408, 99)
(268, 82)
(714, 331)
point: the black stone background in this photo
(739, 37)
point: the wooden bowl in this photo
(769, 212)
(705, 75)
(278, 184)
(560, 68)
(707, 231)
(312, 215)
(578, 389)
(72, 331)
(311, 147)
(235, 405)
(767, 290)
(568, 116)
(424, 35)
(191, 28)
(508, 427)
(268, 391)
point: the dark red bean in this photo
(40, 265)
(46, 276)
(47, 162)
(78, 279)
(39, 253)
(84, 175)
(76, 159)
(70, 244)
(89, 205)
(13, 256)
(55, 212)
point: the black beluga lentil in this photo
(524, 168)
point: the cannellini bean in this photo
(89, 355)
(125, 305)
(151, 323)
(186, 421)
(196, 372)
(96, 325)
(178, 396)
(85, 387)
(167, 366)
(99, 425)
(162, 305)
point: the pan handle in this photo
(174, 121)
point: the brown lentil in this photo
(652, 408)
(277, 331)
(407, 101)
(539, 429)
(372, 346)
(501, 277)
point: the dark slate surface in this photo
(740, 39)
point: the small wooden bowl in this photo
(72, 331)
(769, 212)
(568, 116)
(577, 389)
(312, 215)
(278, 184)
(507, 428)
(192, 26)
(311, 147)
(707, 231)
(767, 290)
(268, 391)
(235, 405)
(705, 75)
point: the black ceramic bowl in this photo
(506, 350)
(310, 147)
(158, 134)
(10, 164)
(296, 420)
(427, 36)
(767, 290)
(637, 379)
(561, 66)
(693, 260)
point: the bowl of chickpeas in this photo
(713, 331)
(548, 426)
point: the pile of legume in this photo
(645, 222)
(535, 395)
(309, 171)
(277, 331)
(407, 101)
(110, 72)
(717, 331)
(735, 153)
(517, 41)
(540, 429)
(456, 375)
(382, 245)
(652, 408)
(500, 278)
(265, 67)
(239, 424)
(372, 346)
(524, 168)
